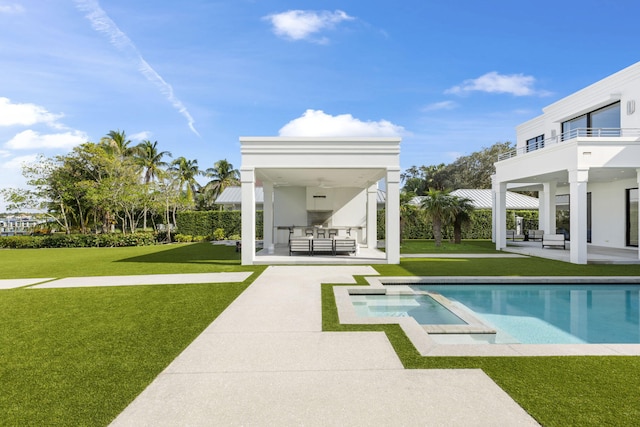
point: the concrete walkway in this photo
(266, 361)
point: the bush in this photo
(77, 241)
(218, 234)
(183, 238)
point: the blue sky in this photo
(449, 77)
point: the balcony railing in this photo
(572, 134)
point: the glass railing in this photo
(569, 135)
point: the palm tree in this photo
(116, 143)
(187, 170)
(148, 157)
(437, 205)
(461, 211)
(223, 175)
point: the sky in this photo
(448, 77)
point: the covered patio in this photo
(321, 189)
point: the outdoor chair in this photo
(333, 232)
(320, 233)
(308, 231)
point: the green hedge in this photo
(205, 223)
(77, 241)
(415, 224)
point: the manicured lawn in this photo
(465, 247)
(501, 267)
(79, 356)
(175, 258)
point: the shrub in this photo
(183, 238)
(77, 241)
(218, 234)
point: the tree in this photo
(475, 170)
(116, 143)
(419, 180)
(223, 175)
(462, 209)
(437, 205)
(187, 170)
(148, 157)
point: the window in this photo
(563, 211)
(535, 143)
(632, 217)
(604, 122)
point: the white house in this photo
(585, 149)
(329, 182)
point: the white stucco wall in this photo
(623, 86)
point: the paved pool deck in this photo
(266, 361)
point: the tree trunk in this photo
(457, 232)
(437, 230)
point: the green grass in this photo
(527, 266)
(556, 391)
(78, 262)
(465, 247)
(79, 356)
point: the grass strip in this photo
(79, 356)
(465, 247)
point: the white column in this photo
(578, 215)
(247, 178)
(638, 180)
(548, 199)
(392, 217)
(500, 214)
(267, 213)
(372, 220)
(493, 210)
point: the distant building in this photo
(11, 225)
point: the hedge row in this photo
(78, 241)
(416, 225)
(205, 223)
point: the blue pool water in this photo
(423, 308)
(552, 314)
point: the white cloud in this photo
(140, 136)
(26, 114)
(29, 139)
(11, 8)
(318, 123)
(301, 24)
(444, 105)
(102, 23)
(494, 82)
(16, 163)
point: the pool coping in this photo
(427, 346)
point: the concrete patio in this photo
(595, 254)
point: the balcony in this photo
(570, 135)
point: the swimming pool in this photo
(542, 313)
(423, 308)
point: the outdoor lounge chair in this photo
(344, 245)
(300, 244)
(322, 246)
